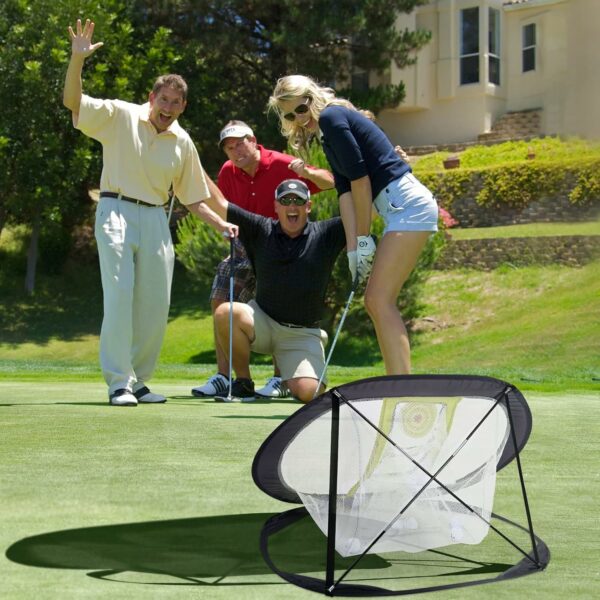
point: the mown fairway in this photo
(158, 501)
(537, 326)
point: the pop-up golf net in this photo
(399, 464)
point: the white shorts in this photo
(407, 205)
(299, 351)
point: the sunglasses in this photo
(287, 200)
(301, 109)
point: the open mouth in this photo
(164, 118)
(293, 217)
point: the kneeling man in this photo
(292, 258)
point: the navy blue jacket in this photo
(355, 146)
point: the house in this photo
(499, 68)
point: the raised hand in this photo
(81, 42)
(298, 166)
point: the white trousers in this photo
(136, 264)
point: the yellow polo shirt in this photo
(137, 161)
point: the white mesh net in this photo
(378, 482)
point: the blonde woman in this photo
(368, 172)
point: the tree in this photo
(48, 167)
(233, 51)
(230, 51)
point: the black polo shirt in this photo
(291, 273)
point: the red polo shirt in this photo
(257, 194)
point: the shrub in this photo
(587, 183)
(519, 185)
(503, 175)
(199, 248)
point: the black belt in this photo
(315, 324)
(128, 199)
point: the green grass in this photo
(158, 501)
(536, 326)
(546, 149)
(526, 230)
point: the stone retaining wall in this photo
(547, 210)
(569, 250)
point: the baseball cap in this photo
(234, 131)
(292, 186)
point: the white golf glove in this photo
(352, 264)
(365, 255)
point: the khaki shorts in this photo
(299, 352)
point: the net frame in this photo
(268, 476)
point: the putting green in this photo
(158, 501)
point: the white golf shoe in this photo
(145, 396)
(122, 397)
(217, 384)
(274, 388)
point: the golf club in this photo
(337, 333)
(171, 209)
(231, 273)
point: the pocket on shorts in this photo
(109, 224)
(407, 194)
(407, 205)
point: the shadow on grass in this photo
(351, 351)
(207, 357)
(200, 551)
(217, 551)
(188, 298)
(69, 306)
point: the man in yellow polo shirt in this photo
(145, 152)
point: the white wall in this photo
(565, 84)
(437, 109)
(545, 87)
(582, 90)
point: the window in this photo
(494, 46)
(469, 46)
(529, 46)
(360, 82)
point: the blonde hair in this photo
(300, 86)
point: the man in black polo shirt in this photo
(292, 258)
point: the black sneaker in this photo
(242, 390)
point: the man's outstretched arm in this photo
(81, 48)
(213, 210)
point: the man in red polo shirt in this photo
(249, 179)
